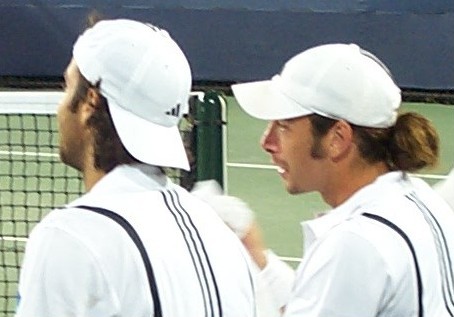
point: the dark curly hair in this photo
(108, 150)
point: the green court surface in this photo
(279, 214)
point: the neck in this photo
(91, 175)
(346, 183)
(90, 179)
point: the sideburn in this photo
(319, 127)
(317, 150)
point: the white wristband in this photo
(278, 277)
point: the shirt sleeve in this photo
(273, 286)
(60, 277)
(343, 276)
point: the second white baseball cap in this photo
(146, 80)
(339, 81)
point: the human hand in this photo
(232, 210)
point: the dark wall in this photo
(244, 40)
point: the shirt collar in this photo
(315, 228)
(127, 178)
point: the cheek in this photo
(62, 107)
(298, 153)
(66, 119)
(59, 116)
(64, 110)
(295, 146)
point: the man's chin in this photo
(294, 190)
(69, 161)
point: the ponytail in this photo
(413, 143)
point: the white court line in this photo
(228, 164)
(270, 167)
(431, 176)
(15, 239)
(38, 154)
(247, 165)
(289, 259)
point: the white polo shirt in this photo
(357, 266)
(81, 263)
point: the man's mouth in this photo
(280, 170)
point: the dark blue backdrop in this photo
(235, 40)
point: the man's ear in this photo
(91, 102)
(93, 97)
(341, 140)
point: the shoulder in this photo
(358, 259)
(62, 230)
(87, 234)
(362, 244)
(60, 274)
(72, 221)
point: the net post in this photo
(209, 137)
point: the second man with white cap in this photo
(386, 247)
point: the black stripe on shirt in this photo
(207, 259)
(196, 248)
(190, 243)
(413, 253)
(143, 253)
(444, 257)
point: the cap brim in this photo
(262, 100)
(148, 142)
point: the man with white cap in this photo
(387, 246)
(135, 244)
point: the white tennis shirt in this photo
(356, 266)
(80, 263)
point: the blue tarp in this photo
(337, 6)
(234, 40)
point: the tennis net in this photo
(34, 181)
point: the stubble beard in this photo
(71, 158)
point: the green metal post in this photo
(208, 120)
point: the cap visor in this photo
(262, 100)
(148, 142)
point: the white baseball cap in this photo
(146, 80)
(339, 81)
